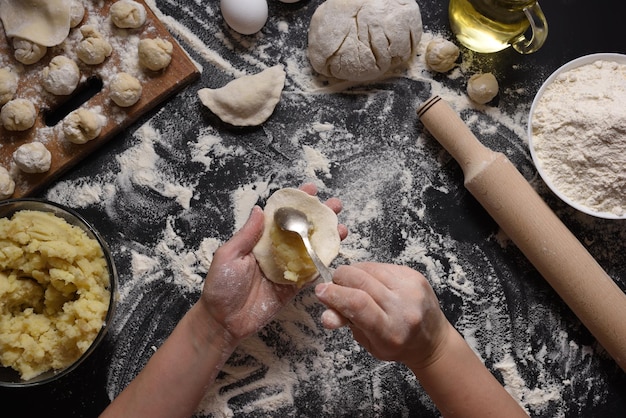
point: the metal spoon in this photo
(293, 220)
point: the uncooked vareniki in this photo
(248, 100)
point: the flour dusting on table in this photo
(191, 184)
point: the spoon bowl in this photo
(294, 220)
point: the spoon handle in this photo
(324, 271)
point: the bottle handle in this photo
(539, 27)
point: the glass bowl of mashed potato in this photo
(57, 291)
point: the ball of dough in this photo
(77, 13)
(18, 115)
(7, 185)
(28, 52)
(323, 235)
(482, 88)
(94, 48)
(441, 55)
(361, 40)
(82, 125)
(8, 85)
(61, 76)
(124, 89)
(155, 54)
(127, 14)
(32, 157)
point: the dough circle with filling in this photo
(324, 236)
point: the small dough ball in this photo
(8, 85)
(155, 54)
(247, 100)
(32, 157)
(482, 88)
(441, 55)
(7, 185)
(77, 13)
(18, 115)
(61, 76)
(281, 256)
(361, 40)
(124, 89)
(94, 48)
(82, 125)
(28, 52)
(127, 14)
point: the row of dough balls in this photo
(94, 48)
(32, 157)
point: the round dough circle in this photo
(32, 157)
(361, 40)
(124, 89)
(324, 239)
(482, 88)
(82, 125)
(127, 14)
(18, 115)
(7, 185)
(61, 76)
(8, 85)
(441, 55)
(155, 54)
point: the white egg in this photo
(244, 16)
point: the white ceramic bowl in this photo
(584, 60)
(8, 376)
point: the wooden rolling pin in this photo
(528, 221)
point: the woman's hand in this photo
(391, 310)
(236, 294)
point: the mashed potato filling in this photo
(54, 292)
(291, 255)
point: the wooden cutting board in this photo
(157, 86)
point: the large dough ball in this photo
(361, 40)
(61, 76)
(124, 89)
(28, 52)
(155, 54)
(32, 157)
(94, 48)
(127, 14)
(8, 85)
(18, 115)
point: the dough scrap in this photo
(18, 115)
(7, 185)
(32, 157)
(248, 100)
(8, 85)
(360, 40)
(94, 48)
(61, 76)
(43, 22)
(482, 88)
(28, 52)
(324, 236)
(127, 14)
(124, 89)
(155, 54)
(441, 55)
(82, 125)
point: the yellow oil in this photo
(487, 25)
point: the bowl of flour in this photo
(577, 134)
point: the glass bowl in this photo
(575, 203)
(10, 377)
